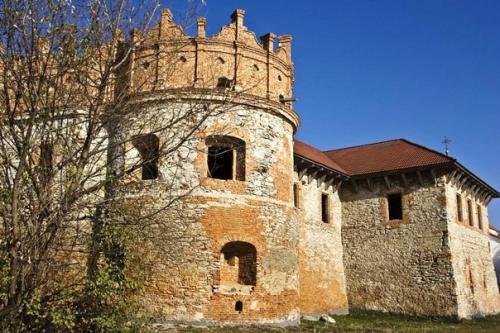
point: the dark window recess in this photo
(469, 212)
(238, 306)
(460, 216)
(225, 157)
(220, 162)
(224, 83)
(479, 217)
(324, 208)
(296, 202)
(395, 206)
(148, 147)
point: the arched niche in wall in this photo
(238, 264)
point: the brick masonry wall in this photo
(321, 268)
(398, 266)
(474, 274)
(166, 58)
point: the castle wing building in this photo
(268, 227)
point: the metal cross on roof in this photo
(446, 141)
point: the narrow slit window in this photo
(395, 206)
(296, 200)
(470, 214)
(220, 162)
(460, 216)
(325, 208)
(479, 217)
(471, 279)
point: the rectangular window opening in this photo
(220, 162)
(460, 216)
(325, 209)
(395, 206)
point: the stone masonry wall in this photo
(185, 281)
(321, 268)
(400, 266)
(477, 289)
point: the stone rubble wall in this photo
(495, 254)
(321, 267)
(398, 266)
(477, 288)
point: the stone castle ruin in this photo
(275, 228)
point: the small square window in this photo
(395, 206)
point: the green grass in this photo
(364, 322)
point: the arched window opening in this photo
(238, 306)
(224, 83)
(226, 158)
(148, 147)
(238, 264)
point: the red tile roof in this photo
(315, 155)
(385, 156)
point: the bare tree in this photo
(69, 122)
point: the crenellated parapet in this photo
(233, 60)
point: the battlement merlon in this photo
(165, 57)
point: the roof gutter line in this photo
(346, 176)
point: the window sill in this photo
(234, 186)
(234, 289)
(394, 223)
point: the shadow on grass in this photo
(366, 322)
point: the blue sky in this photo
(372, 70)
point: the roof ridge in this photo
(428, 149)
(364, 144)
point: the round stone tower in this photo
(226, 249)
